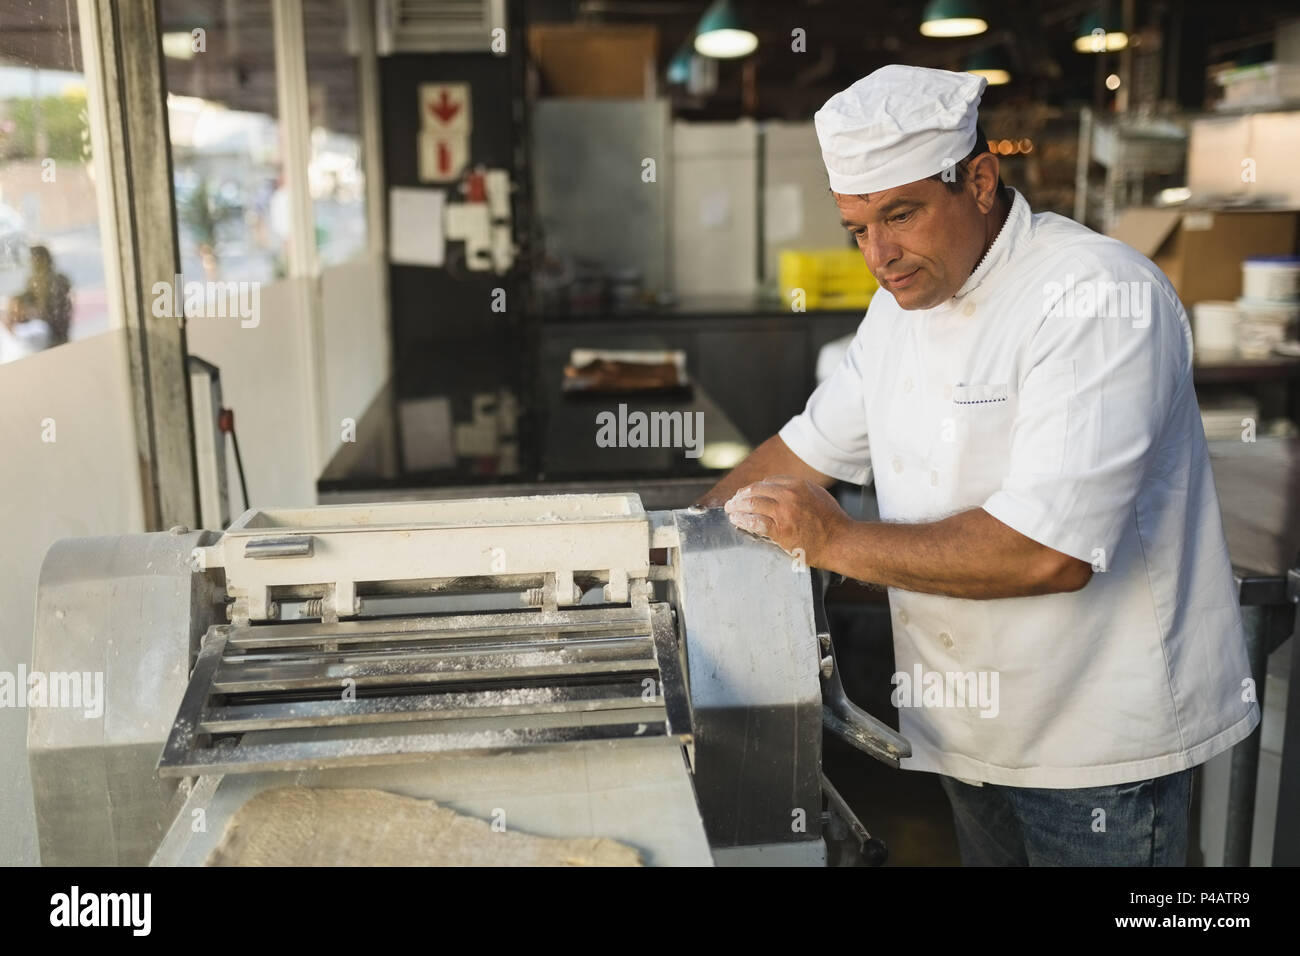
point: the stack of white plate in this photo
(1223, 415)
(1269, 306)
(1214, 329)
(1271, 279)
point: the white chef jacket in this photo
(1077, 426)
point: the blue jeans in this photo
(1129, 824)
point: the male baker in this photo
(1021, 389)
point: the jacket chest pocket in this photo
(982, 418)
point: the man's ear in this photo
(982, 178)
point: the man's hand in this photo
(793, 512)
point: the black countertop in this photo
(695, 307)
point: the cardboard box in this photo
(1201, 250)
(595, 61)
(1246, 158)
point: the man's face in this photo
(921, 241)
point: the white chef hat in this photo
(898, 125)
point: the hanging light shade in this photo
(721, 33)
(952, 18)
(1099, 34)
(991, 64)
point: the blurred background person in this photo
(48, 296)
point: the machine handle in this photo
(840, 715)
(844, 831)
(295, 546)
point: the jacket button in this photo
(968, 309)
(898, 464)
(945, 639)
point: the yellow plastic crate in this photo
(830, 278)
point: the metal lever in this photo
(841, 716)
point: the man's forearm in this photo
(968, 555)
(773, 457)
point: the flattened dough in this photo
(304, 826)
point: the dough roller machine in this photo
(520, 658)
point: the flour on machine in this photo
(514, 656)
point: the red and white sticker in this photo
(443, 156)
(444, 107)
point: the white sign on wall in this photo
(444, 131)
(415, 234)
(443, 156)
(445, 107)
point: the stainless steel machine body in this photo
(512, 657)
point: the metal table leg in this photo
(1286, 834)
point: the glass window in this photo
(232, 198)
(336, 175)
(52, 272)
